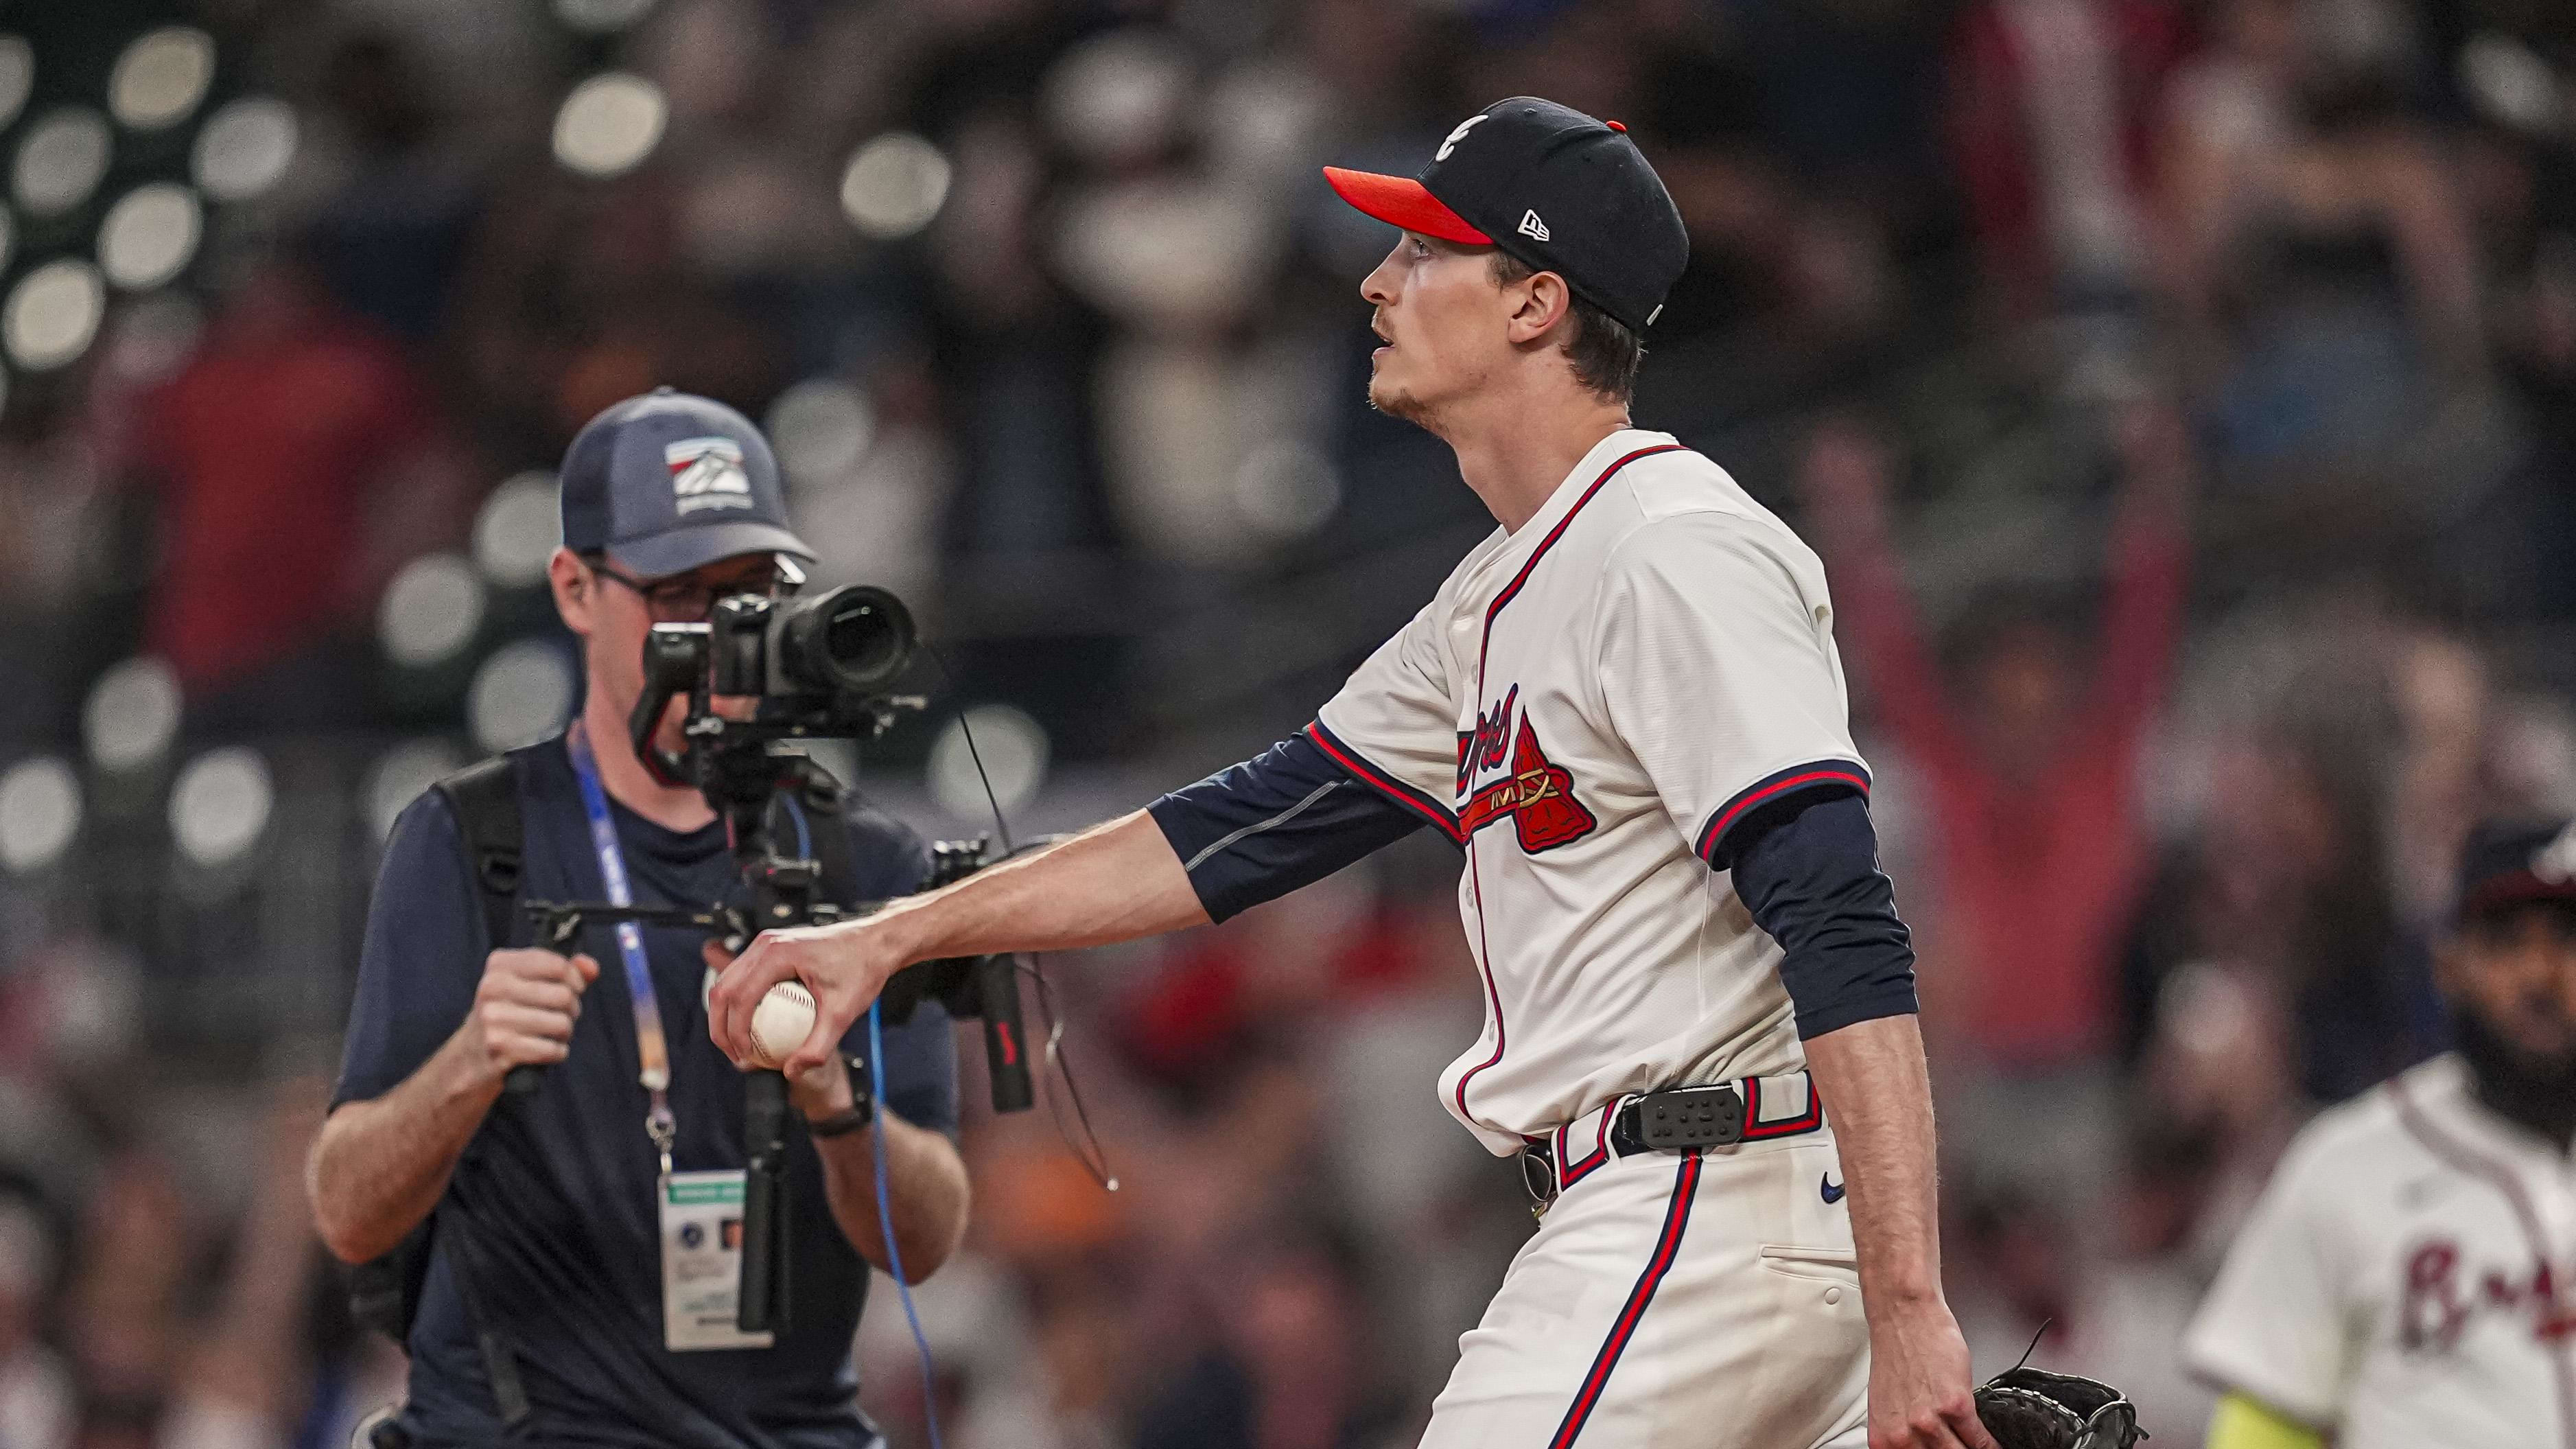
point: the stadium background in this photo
(2182, 394)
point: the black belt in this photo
(1685, 1119)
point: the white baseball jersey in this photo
(1588, 705)
(2400, 1282)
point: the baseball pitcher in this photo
(1625, 709)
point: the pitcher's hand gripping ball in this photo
(780, 1024)
(2028, 1408)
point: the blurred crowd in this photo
(2182, 394)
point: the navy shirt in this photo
(560, 1186)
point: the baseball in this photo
(780, 1023)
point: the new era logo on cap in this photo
(1532, 227)
(707, 473)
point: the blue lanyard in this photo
(651, 1048)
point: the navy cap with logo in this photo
(1552, 187)
(669, 482)
(2507, 862)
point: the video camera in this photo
(819, 668)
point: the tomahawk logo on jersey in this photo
(1537, 797)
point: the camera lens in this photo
(852, 639)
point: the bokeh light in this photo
(1118, 98)
(609, 124)
(150, 235)
(220, 805)
(1287, 489)
(2513, 85)
(245, 148)
(517, 530)
(522, 694)
(894, 185)
(52, 315)
(430, 611)
(162, 77)
(402, 773)
(132, 715)
(820, 428)
(60, 161)
(40, 813)
(17, 75)
(1015, 753)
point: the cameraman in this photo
(556, 1230)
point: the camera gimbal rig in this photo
(818, 670)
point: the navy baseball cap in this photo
(1552, 187)
(668, 482)
(2507, 862)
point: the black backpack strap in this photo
(500, 1365)
(485, 798)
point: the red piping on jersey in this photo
(1568, 1173)
(1514, 587)
(1831, 772)
(1493, 993)
(1757, 1130)
(1484, 962)
(1384, 783)
(2469, 1161)
(1667, 1248)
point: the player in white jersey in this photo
(2405, 1282)
(1626, 709)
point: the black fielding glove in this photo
(2028, 1408)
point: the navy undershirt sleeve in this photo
(1285, 818)
(1807, 868)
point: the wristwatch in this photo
(861, 1111)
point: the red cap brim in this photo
(1405, 202)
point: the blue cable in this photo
(804, 836)
(885, 1210)
(885, 1221)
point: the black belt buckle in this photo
(1690, 1117)
(1538, 1174)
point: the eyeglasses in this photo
(688, 599)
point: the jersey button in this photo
(1833, 1296)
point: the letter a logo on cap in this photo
(1456, 136)
(1532, 227)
